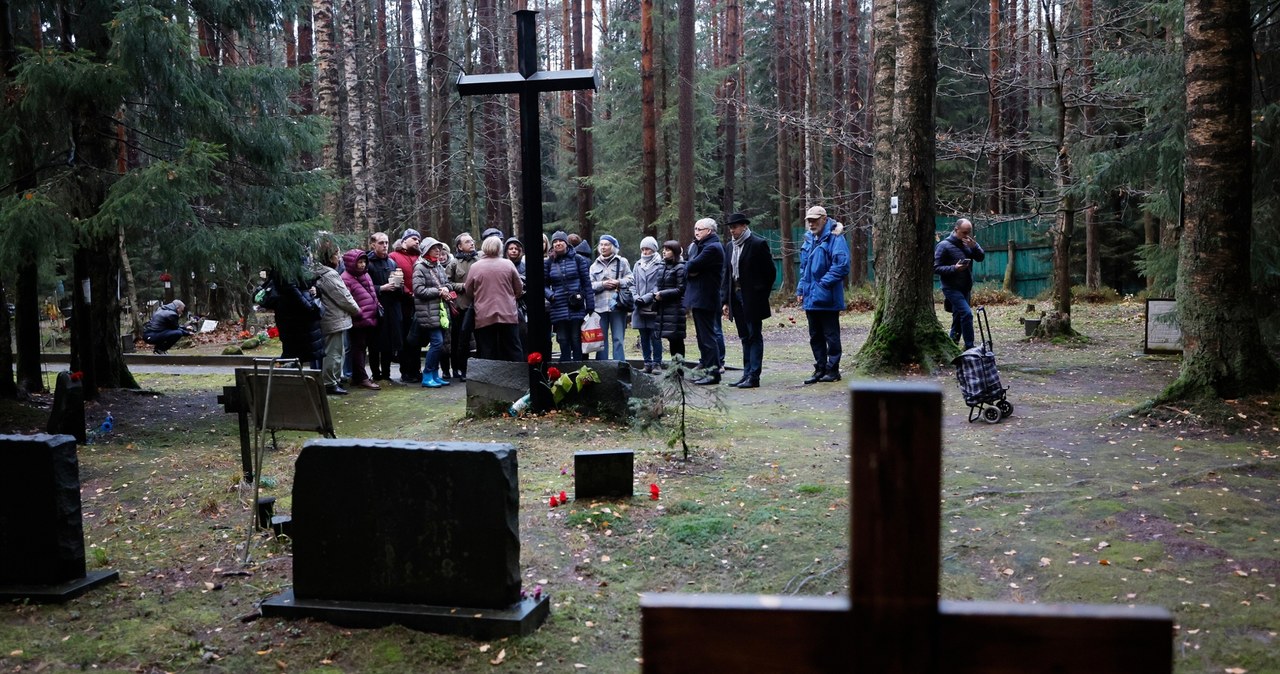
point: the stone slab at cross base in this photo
(609, 473)
(520, 619)
(492, 385)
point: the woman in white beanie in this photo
(644, 285)
(610, 272)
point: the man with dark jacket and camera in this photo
(953, 259)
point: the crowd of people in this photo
(355, 313)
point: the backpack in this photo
(267, 296)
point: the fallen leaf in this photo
(484, 648)
(1236, 670)
(1104, 562)
(574, 640)
(262, 652)
(14, 654)
(1045, 561)
(502, 655)
(1242, 573)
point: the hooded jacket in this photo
(519, 265)
(824, 262)
(429, 285)
(163, 320)
(360, 285)
(339, 305)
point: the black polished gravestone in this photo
(424, 535)
(609, 473)
(67, 415)
(41, 531)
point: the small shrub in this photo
(232, 350)
(861, 297)
(991, 294)
(1102, 295)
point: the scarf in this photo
(738, 243)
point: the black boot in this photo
(818, 372)
(831, 374)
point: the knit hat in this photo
(612, 241)
(410, 233)
(650, 243)
(560, 236)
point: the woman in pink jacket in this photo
(363, 326)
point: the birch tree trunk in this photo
(327, 98)
(355, 121)
(438, 65)
(413, 117)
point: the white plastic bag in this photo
(592, 334)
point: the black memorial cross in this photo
(892, 620)
(530, 82)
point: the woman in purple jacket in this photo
(364, 326)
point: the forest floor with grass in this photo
(1069, 500)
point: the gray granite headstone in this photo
(423, 534)
(609, 473)
(41, 531)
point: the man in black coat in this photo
(705, 271)
(749, 275)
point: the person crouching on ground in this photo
(162, 330)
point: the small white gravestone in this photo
(1164, 335)
(208, 326)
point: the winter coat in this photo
(704, 271)
(429, 283)
(824, 262)
(494, 284)
(946, 254)
(298, 319)
(339, 305)
(360, 285)
(644, 283)
(163, 320)
(566, 275)
(616, 267)
(456, 272)
(405, 261)
(670, 299)
(756, 275)
(391, 322)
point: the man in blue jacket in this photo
(953, 262)
(704, 271)
(824, 262)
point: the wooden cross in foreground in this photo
(893, 621)
(529, 82)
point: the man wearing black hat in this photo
(748, 279)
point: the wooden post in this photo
(1010, 266)
(893, 621)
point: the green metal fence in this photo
(1032, 257)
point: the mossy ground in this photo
(1068, 500)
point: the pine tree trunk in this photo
(884, 27)
(414, 121)
(438, 66)
(1064, 226)
(685, 118)
(856, 182)
(1223, 353)
(648, 125)
(732, 83)
(492, 137)
(905, 330)
(1092, 229)
(993, 107)
(786, 97)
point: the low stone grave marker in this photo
(41, 529)
(893, 621)
(67, 415)
(609, 473)
(421, 534)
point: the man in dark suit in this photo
(748, 279)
